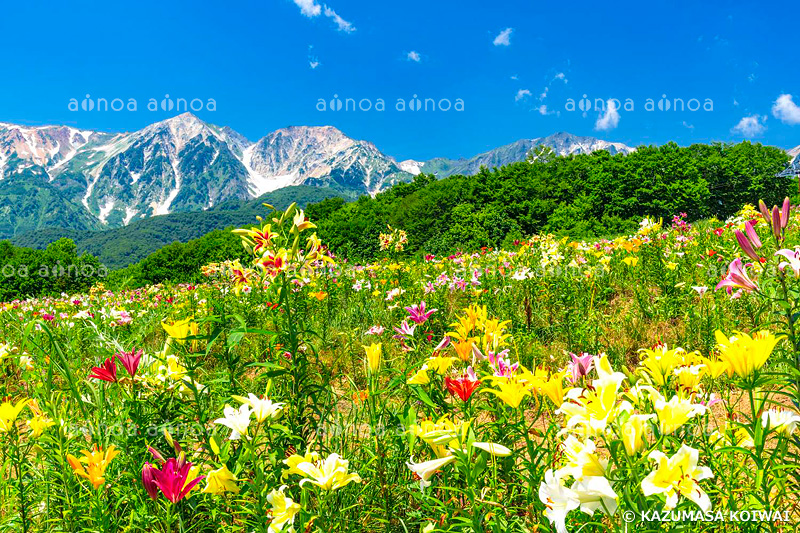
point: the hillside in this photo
(117, 248)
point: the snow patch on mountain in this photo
(411, 166)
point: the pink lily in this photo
(501, 366)
(418, 314)
(580, 366)
(405, 330)
(793, 257)
(737, 277)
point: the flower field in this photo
(649, 382)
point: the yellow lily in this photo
(678, 475)
(9, 413)
(283, 510)
(220, 481)
(745, 354)
(329, 474)
(373, 353)
(675, 413)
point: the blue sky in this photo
(267, 64)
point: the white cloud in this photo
(785, 110)
(414, 56)
(311, 9)
(503, 38)
(687, 125)
(515, 77)
(561, 76)
(750, 126)
(522, 94)
(608, 120)
(313, 62)
(341, 24)
(543, 109)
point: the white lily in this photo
(595, 492)
(263, 409)
(237, 420)
(426, 469)
(558, 499)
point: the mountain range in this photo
(81, 180)
(60, 176)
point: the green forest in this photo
(587, 195)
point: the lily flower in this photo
(329, 474)
(173, 479)
(737, 277)
(464, 385)
(678, 475)
(373, 356)
(558, 500)
(418, 314)
(130, 361)
(744, 354)
(634, 430)
(294, 460)
(105, 372)
(427, 469)
(675, 413)
(595, 492)
(263, 408)
(781, 420)
(580, 459)
(511, 390)
(283, 510)
(744, 243)
(301, 222)
(553, 388)
(220, 481)
(793, 260)
(9, 413)
(420, 377)
(237, 420)
(96, 463)
(579, 367)
(405, 330)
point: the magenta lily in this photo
(418, 314)
(737, 277)
(172, 479)
(130, 361)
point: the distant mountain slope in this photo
(794, 153)
(88, 180)
(562, 144)
(119, 247)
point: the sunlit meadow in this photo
(647, 383)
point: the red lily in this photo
(106, 372)
(464, 385)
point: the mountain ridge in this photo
(88, 180)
